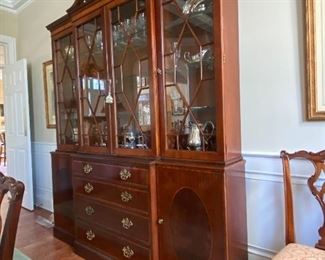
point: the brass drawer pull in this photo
(90, 235)
(126, 223)
(125, 196)
(88, 188)
(89, 210)
(125, 175)
(87, 169)
(127, 252)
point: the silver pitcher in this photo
(194, 137)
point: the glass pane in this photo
(189, 75)
(94, 86)
(131, 75)
(66, 90)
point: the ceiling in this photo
(13, 5)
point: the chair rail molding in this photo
(268, 167)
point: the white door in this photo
(18, 141)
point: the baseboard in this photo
(259, 253)
(43, 198)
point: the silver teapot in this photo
(194, 138)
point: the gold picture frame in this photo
(315, 51)
(48, 80)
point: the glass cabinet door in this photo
(131, 75)
(66, 98)
(188, 75)
(94, 86)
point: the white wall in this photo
(34, 44)
(273, 118)
(8, 24)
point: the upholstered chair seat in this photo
(295, 251)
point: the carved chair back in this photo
(14, 191)
(318, 162)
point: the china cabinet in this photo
(148, 163)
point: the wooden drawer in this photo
(107, 172)
(113, 194)
(109, 243)
(120, 221)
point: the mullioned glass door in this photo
(66, 98)
(188, 75)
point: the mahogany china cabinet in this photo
(148, 162)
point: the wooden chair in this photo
(293, 250)
(14, 191)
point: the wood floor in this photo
(37, 241)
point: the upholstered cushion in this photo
(300, 252)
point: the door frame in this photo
(10, 42)
(11, 52)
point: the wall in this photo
(34, 44)
(272, 113)
(8, 24)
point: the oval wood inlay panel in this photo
(189, 223)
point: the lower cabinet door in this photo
(191, 213)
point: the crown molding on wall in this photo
(16, 10)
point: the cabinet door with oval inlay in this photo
(190, 214)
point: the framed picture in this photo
(315, 59)
(49, 94)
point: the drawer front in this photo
(110, 243)
(122, 222)
(102, 171)
(113, 194)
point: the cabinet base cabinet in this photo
(62, 197)
(196, 211)
(200, 213)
